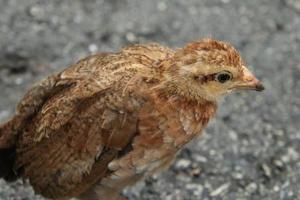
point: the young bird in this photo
(112, 119)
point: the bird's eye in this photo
(224, 76)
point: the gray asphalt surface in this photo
(249, 152)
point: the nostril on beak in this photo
(259, 87)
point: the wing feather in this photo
(76, 132)
(65, 161)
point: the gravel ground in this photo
(250, 151)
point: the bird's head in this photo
(208, 69)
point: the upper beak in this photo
(249, 81)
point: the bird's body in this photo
(106, 122)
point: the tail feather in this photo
(7, 160)
(7, 151)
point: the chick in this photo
(113, 119)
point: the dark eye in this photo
(222, 77)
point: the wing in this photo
(62, 164)
(68, 143)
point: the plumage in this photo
(112, 119)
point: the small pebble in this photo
(183, 164)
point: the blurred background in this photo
(249, 152)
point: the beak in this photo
(249, 82)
